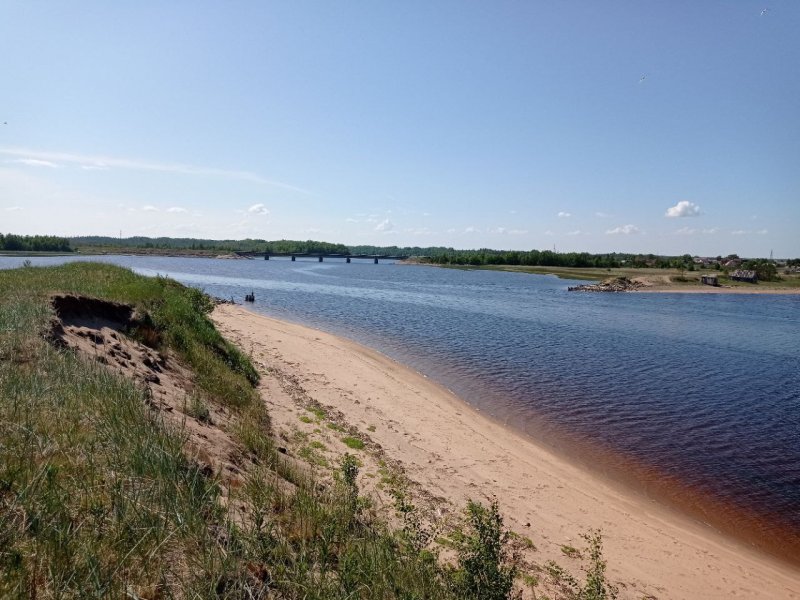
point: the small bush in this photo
(486, 570)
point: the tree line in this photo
(34, 243)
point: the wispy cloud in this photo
(692, 231)
(472, 229)
(576, 232)
(176, 209)
(601, 215)
(149, 208)
(258, 209)
(684, 208)
(385, 225)
(624, 230)
(564, 215)
(35, 162)
(507, 231)
(749, 232)
(13, 208)
(108, 162)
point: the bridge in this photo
(320, 256)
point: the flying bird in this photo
(764, 11)
(642, 78)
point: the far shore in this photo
(455, 453)
(652, 280)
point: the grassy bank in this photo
(100, 497)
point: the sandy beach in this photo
(455, 453)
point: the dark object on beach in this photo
(251, 297)
(744, 275)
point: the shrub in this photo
(485, 569)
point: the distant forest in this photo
(34, 243)
(433, 254)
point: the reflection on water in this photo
(701, 389)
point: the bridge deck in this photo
(319, 255)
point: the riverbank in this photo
(455, 453)
(673, 281)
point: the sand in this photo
(456, 453)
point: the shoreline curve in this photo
(456, 452)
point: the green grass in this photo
(353, 442)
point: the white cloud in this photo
(684, 208)
(176, 209)
(258, 209)
(517, 231)
(576, 232)
(472, 229)
(13, 208)
(385, 225)
(500, 230)
(601, 215)
(351, 220)
(564, 215)
(451, 230)
(106, 162)
(762, 232)
(739, 232)
(624, 230)
(35, 162)
(149, 208)
(548, 232)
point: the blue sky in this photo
(664, 127)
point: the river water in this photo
(690, 398)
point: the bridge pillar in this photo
(348, 259)
(293, 259)
(376, 260)
(266, 257)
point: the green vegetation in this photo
(98, 497)
(90, 244)
(353, 442)
(33, 243)
(486, 571)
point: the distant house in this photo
(709, 280)
(744, 275)
(733, 263)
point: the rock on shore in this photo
(615, 284)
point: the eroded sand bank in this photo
(456, 453)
